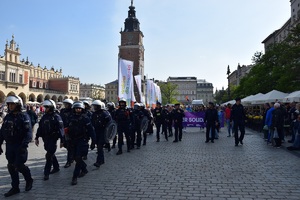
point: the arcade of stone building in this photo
(33, 83)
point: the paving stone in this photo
(190, 169)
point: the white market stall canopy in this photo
(248, 100)
(293, 97)
(271, 96)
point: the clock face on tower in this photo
(129, 38)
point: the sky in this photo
(181, 38)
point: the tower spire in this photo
(131, 2)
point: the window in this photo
(40, 85)
(2, 75)
(12, 75)
(33, 84)
(20, 78)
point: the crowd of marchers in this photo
(79, 126)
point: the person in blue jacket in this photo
(16, 130)
(50, 129)
(80, 130)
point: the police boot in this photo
(46, 177)
(119, 152)
(74, 181)
(28, 185)
(12, 191)
(68, 164)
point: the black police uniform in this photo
(100, 119)
(16, 130)
(147, 114)
(80, 130)
(170, 123)
(165, 116)
(123, 119)
(51, 129)
(112, 112)
(177, 116)
(137, 119)
(158, 120)
(210, 120)
(65, 116)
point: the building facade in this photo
(281, 34)
(132, 47)
(205, 91)
(33, 83)
(111, 91)
(187, 88)
(236, 76)
(92, 91)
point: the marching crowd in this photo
(80, 126)
(80, 129)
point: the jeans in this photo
(229, 127)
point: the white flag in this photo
(125, 80)
(138, 81)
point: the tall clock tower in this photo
(132, 47)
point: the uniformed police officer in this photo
(123, 120)
(88, 112)
(148, 114)
(137, 119)
(87, 109)
(177, 116)
(16, 130)
(80, 130)
(51, 129)
(211, 119)
(100, 119)
(158, 119)
(65, 114)
(112, 111)
(165, 117)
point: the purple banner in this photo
(193, 119)
(196, 119)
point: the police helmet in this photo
(111, 104)
(99, 103)
(14, 99)
(85, 102)
(142, 105)
(122, 100)
(78, 104)
(70, 101)
(136, 106)
(49, 103)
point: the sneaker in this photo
(68, 164)
(212, 141)
(53, 171)
(206, 141)
(119, 152)
(236, 145)
(175, 141)
(12, 191)
(113, 146)
(28, 185)
(241, 142)
(74, 181)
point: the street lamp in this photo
(228, 73)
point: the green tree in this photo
(278, 68)
(168, 92)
